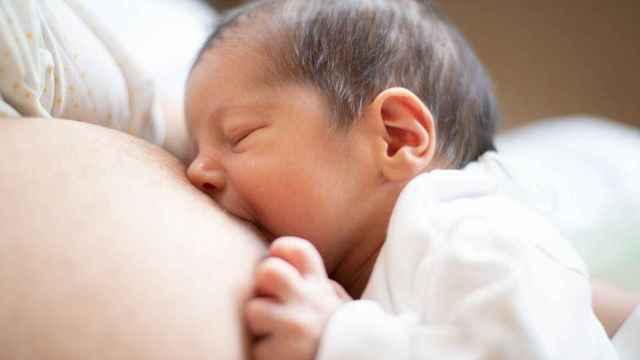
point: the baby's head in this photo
(310, 116)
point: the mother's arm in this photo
(106, 251)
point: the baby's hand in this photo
(293, 303)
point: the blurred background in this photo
(551, 58)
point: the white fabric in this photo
(168, 54)
(58, 61)
(627, 339)
(583, 173)
(467, 273)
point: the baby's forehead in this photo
(223, 73)
(225, 82)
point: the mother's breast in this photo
(106, 251)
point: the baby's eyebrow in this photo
(238, 112)
(218, 116)
(221, 115)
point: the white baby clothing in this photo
(627, 339)
(468, 273)
(58, 61)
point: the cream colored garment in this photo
(57, 61)
(468, 273)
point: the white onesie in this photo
(627, 339)
(57, 61)
(468, 273)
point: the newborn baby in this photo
(366, 127)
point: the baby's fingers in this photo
(267, 317)
(271, 348)
(263, 316)
(284, 346)
(278, 279)
(301, 254)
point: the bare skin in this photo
(80, 275)
(613, 305)
(109, 253)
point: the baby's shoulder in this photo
(458, 209)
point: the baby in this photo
(366, 127)
(339, 107)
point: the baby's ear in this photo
(408, 133)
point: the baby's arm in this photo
(494, 313)
(478, 295)
(612, 305)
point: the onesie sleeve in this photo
(478, 296)
(627, 339)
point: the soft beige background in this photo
(551, 58)
(562, 57)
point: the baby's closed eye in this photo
(242, 135)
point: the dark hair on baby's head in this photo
(351, 50)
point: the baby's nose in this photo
(206, 175)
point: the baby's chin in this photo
(236, 208)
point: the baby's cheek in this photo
(286, 212)
(285, 191)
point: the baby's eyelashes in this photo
(240, 140)
(240, 135)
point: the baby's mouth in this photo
(244, 211)
(235, 208)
